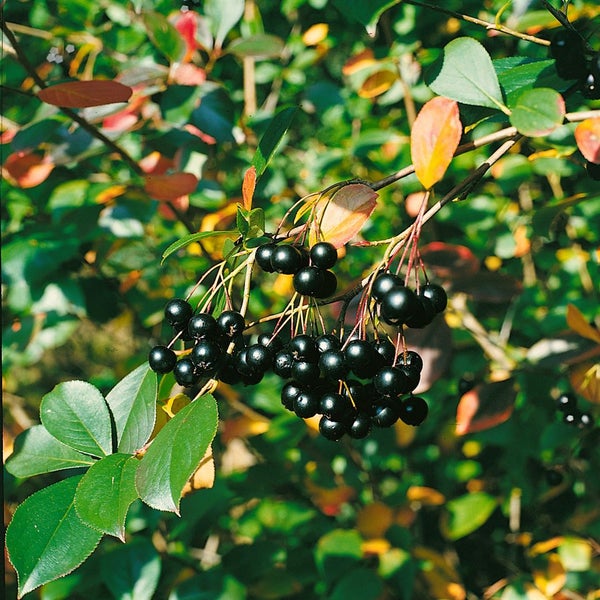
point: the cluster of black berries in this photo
(310, 268)
(399, 305)
(567, 405)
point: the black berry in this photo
(566, 402)
(231, 322)
(336, 406)
(202, 325)
(331, 430)
(398, 305)
(178, 311)
(303, 347)
(360, 426)
(437, 295)
(333, 364)
(207, 355)
(383, 283)
(290, 391)
(162, 359)
(306, 404)
(309, 281)
(263, 257)
(413, 410)
(185, 373)
(323, 255)
(287, 259)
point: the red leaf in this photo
(83, 94)
(485, 406)
(434, 138)
(170, 187)
(26, 169)
(188, 74)
(341, 214)
(248, 186)
(449, 261)
(207, 139)
(587, 136)
(182, 204)
(187, 24)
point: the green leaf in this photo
(105, 493)
(470, 82)
(524, 74)
(338, 551)
(545, 219)
(77, 415)
(538, 112)
(132, 403)
(46, 539)
(132, 572)
(359, 584)
(257, 46)
(467, 513)
(176, 453)
(164, 36)
(194, 237)
(215, 116)
(272, 138)
(366, 13)
(223, 15)
(36, 452)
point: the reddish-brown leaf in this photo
(248, 186)
(434, 138)
(587, 136)
(485, 406)
(83, 94)
(155, 163)
(169, 187)
(26, 169)
(341, 215)
(377, 84)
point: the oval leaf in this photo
(248, 186)
(84, 94)
(257, 46)
(485, 406)
(472, 81)
(587, 136)
(176, 453)
(377, 83)
(164, 36)
(46, 539)
(538, 112)
(76, 414)
(170, 187)
(132, 403)
(196, 237)
(272, 138)
(341, 215)
(434, 138)
(223, 16)
(36, 452)
(27, 169)
(467, 513)
(105, 493)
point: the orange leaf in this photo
(378, 83)
(248, 186)
(374, 519)
(434, 138)
(182, 203)
(341, 215)
(587, 136)
(169, 187)
(425, 495)
(577, 322)
(329, 500)
(485, 406)
(83, 94)
(359, 61)
(585, 380)
(26, 169)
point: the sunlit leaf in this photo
(338, 552)
(587, 136)
(196, 237)
(164, 36)
(466, 514)
(378, 83)
(579, 324)
(434, 138)
(585, 380)
(223, 15)
(485, 406)
(538, 112)
(248, 186)
(374, 519)
(315, 34)
(84, 94)
(169, 187)
(425, 495)
(259, 46)
(359, 61)
(551, 579)
(27, 169)
(339, 216)
(187, 24)
(204, 476)
(576, 554)
(188, 74)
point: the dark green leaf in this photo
(76, 414)
(360, 584)
(366, 13)
(191, 238)
(36, 452)
(131, 572)
(176, 453)
(470, 82)
(215, 115)
(467, 513)
(257, 46)
(132, 403)
(544, 219)
(338, 552)
(164, 36)
(46, 539)
(105, 493)
(272, 138)
(538, 112)
(525, 73)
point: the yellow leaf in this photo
(377, 547)
(114, 191)
(585, 380)
(359, 61)
(546, 546)
(315, 34)
(174, 404)
(425, 495)
(552, 579)
(242, 427)
(377, 84)
(434, 138)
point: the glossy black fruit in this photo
(259, 357)
(287, 259)
(290, 391)
(398, 305)
(360, 358)
(323, 255)
(437, 295)
(571, 417)
(386, 350)
(329, 285)
(331, 430)
(263, 257)
(309, 281)
(412, 377)
(231, 323)
(303, 347)
(383, 283)
(162, 359)
(413, 410)
(332, 364)
(591, 86)
(306, 404)
(178, 311)
(305, 372)
(384, 416)
(267, 340)
(282, 364)
(244, 368)
(360, 426)
(423, 315)
(327, 341)
(412, 359)
(390, 382)
(566, 402)
(207, 355)
(185, 373)
(585, 421)
(336, 406)
(202, 325)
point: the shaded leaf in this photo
(374, 519)
(485, 406)
(587, 136)
(338, 552)
(439, 575)
(568, 348)
(378, 83)
(259, 46)
(170, 187)
(545, 219)
(449, 261)
(359, 584)
(77, 415)
(489, 286)
(196, 237)
(175, 454)
(466, 514)
(470, 82)
(538, 112)
(434, 138)
(27, 169)
(366, 13)
(272, 138)
(164, 36)
(46, 539)
(578, 323)
(105, 493)
(132, 403)
(84, 94)
(36, 451)
(341, 214)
